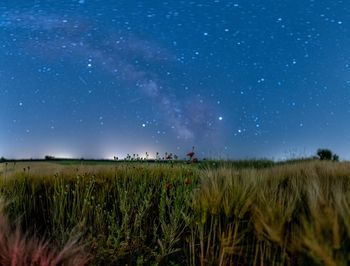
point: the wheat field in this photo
(212, 213)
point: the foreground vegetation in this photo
(215, 213)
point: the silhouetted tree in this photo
(324, 154)
(335, 158)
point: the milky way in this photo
(114, 52)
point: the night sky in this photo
(235, 79)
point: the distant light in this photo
(143, 125)
(89, 65)
(20, 104)
(65, 155)
(220, 118)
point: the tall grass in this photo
(139, 214)
(21, 249)
(127, 214)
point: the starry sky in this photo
(235, 79)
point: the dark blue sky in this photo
(235, 79)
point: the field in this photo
(209, 213)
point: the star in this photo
(98, 68)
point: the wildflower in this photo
(195, 160)
(168, 185)
(187, 181)
(191, 153)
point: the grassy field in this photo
(210, 213)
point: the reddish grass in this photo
(18, 249)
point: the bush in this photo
(324, 154)
(49, 157)
(335, 158)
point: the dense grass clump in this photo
(129, 214)
(172, 214)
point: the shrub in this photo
(335, 158)
(324, 154)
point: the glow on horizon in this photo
(62, 154)
(122, 155)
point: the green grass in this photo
(212, 213)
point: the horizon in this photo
(160, 156)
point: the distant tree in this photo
(2, 159)
(324, 154)
(49, 157)
(335, 158)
